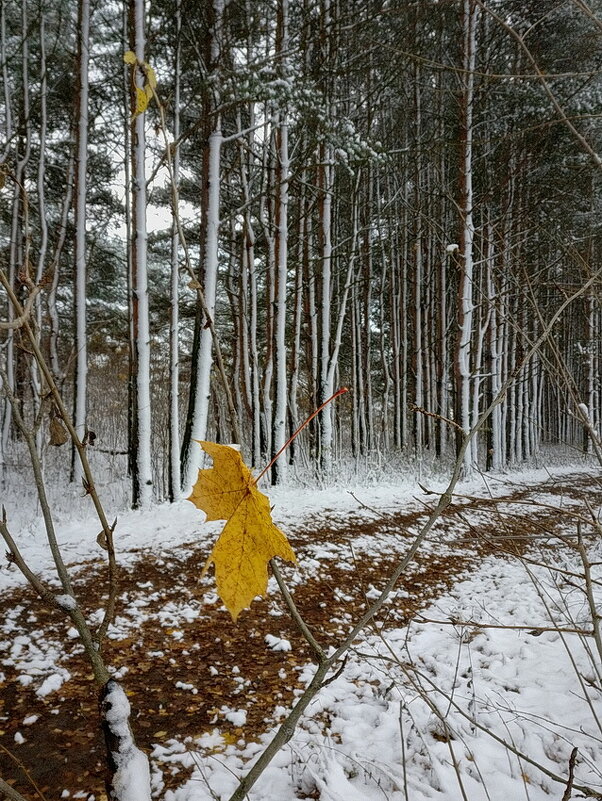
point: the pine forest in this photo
(301, 400)
(216, 214)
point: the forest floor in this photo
(203, 686)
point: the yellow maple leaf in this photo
(141, 101)
(151, 76)
(227, 491)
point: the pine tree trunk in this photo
(174, 479)
(80, 394)
(281, 250)
(464, 350)
(141, 445)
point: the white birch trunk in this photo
(592, 371)
(336, 340)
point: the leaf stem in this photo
(293, 436)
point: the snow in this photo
(237, 717)
(132, 777)
(439, 686)
(277, 643)
(67, 602)
(52, 683)
(413, 711)
(166, 527)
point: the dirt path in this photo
(183, 662)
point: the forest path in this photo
(189, 670)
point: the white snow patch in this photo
(132, 779)
(67, 602)
(52, 683)
(238, 717)
(277, 643)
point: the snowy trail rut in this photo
(188, 670)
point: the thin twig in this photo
(566, 796)
(22, 767)
(296, 433)
(294, 612)
(480, 625)
(18, 322)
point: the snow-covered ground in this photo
(443, 710)
(439, 711)
(172, 525)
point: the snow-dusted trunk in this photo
(325, 390)
(298, 317)
(405, 337)
(418, 248)
(43, 222)
(8, 116)
(483, 317)
(281, 248)
(280, 373)
(266, 216)
(8, 133)
(174, 488)
(129, 255)
(19, 217)
(592, 364)
(198, 411)
(395, 322)
(465, 300)
(367, 417)
(444, 367)
(80, 400)
(255, 385)
(248, 303)
(331, 354)
(495, 448)
(129, 769)
(141, 457)
(53, 315)
(202, 393)
(36, 381)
